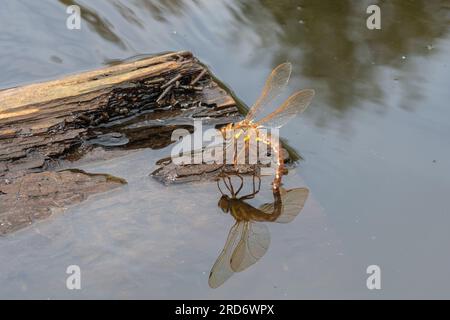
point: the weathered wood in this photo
(44, 121)
(131, 105)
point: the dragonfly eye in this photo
(224, 203)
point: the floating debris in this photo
(36, 196)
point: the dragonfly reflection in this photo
(249, 237)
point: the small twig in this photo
(197, 78)
(167, 84)
(165, 92)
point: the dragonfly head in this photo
(224, 203)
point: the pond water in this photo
(375, 143)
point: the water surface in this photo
(375, 144)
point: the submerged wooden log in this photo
(130, 105)
(169, 172)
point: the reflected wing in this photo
(221, 271)
(253, 245)
(295, 104)
(275, 84)
(292, 202)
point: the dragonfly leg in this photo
(218, 186)
(242, 183)
(224, 177)
(248, 196)
(230, 187)
(256, 188)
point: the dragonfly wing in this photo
(295, 104)
(221, 271)
(292, 202)
(253, 245)
(275, 84)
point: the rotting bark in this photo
(127, 106)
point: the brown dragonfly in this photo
(249, 238)
(262, 115)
